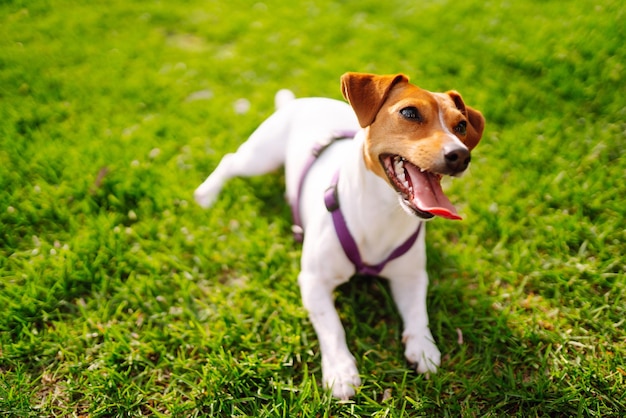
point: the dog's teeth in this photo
(398, 166)
(399, 169)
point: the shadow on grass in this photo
(270, 191)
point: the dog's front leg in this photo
(339, 371)
(409, 293)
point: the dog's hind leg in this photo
(263, 152)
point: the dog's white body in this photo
(389, 178)
(373, 215)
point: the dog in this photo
(361, 203)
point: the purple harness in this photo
(331, 200)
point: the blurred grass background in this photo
(120, 297)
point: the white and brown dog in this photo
(362, 202)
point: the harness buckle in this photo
(331, 198)
(298, 233)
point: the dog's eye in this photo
(461, 128)
(411, 113)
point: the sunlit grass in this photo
(120, 297)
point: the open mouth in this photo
(420, 190)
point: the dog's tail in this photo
(283, 97)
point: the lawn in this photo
(121, 297)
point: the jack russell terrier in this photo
(362, 201)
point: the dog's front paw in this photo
(341, 377)
(421, 352)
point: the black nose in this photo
(457, 159)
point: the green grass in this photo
(120, 297)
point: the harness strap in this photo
(316, 151)
(350, 248)
(331, 200)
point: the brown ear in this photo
(367, 93)
(475, 120)
(475, 127)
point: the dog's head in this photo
(413, 137)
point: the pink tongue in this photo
(428, 195)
